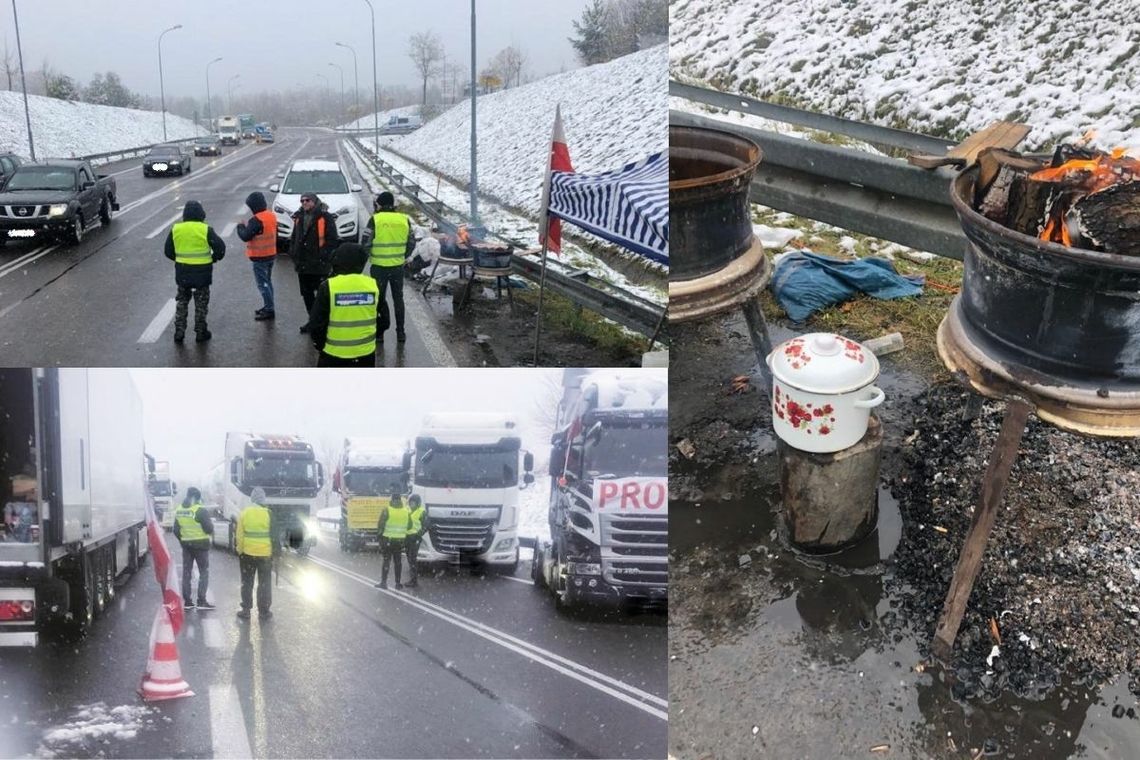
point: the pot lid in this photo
(823, 363)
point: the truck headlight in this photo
(503, 545)
(57, 209)
(584, 568)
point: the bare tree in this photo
(10, 67)
(508, 63)
(425, 50)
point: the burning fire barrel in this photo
(1056, 325)
(716, 263)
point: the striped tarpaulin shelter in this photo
(629, 206)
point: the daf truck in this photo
(467, 473)
(369, 471)
(73, 489)
(286, 468)
(609, 502)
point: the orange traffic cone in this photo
(163, 677)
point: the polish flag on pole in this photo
(164, 570)
(559, 161)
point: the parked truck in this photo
(369, 471)
(162, 489)
(229, 130)
(60, 199)
(467, 475)
(73, 489)
(286, 468)
(609, 503)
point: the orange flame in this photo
(1081, 177)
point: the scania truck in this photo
(467, 474)
(369, 471)
(73, 489)
(609, 503)
(286, 468)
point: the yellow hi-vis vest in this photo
(189, 529)
(252, 536)
(191, 245)
(353, 300)
(391, 238)
(397, 525)
(417, 521)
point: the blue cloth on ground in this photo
(805, 282)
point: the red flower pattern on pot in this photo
(802, 416)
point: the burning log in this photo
(1082, 198)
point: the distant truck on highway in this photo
(228, 130)
(73, 490)
(467, 474)
(246, 125)
(162, 489)
(609, 501)
(60, 199)
(369, 471)
(286, 468)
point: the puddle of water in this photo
(788, 654)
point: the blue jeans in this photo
(262, 272)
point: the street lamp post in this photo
(474, 173)
(24, 84)
(341, 70)
(356, 78)
(209, 107)
(375, 86)
(161, 86)
(230, 92)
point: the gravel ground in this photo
(1061, 576)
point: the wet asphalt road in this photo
(109, 300)
(466, 666)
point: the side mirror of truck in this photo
(528, 462)
(528, 479)
(173, 487)
(235, 471)
(320, 475)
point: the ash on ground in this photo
(1061, 573)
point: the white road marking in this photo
(27, 258)
(527, 581)
(163, 227)
(212, 632)
(227, 724)
(158, 325)
(229, 229)
(429, 331)
(631, 695)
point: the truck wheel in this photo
(536, 568)
(75, 234)
(82, 593)
(232, 538)
(105, 212)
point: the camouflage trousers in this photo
(182, 308)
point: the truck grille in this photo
(466, 535)
(635, 550)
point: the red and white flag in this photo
(558, 161)
(164, 570)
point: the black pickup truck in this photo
(55, 198)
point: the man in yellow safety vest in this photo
(395, 520)
(193, 246)
(193, 528)
(344, 322)
(254, 543)
(418, 516)
(389, 233)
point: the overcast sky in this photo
(278, 44)
(188, 411)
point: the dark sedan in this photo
(207, 146)
(164, 160)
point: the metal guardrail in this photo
(97, 158)
(580, 287)
(854, 189)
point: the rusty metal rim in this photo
(723, 290)
(731, 174)
(1075, 408)
(1079, 255)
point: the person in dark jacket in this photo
(348, 259)
(193, 246)
(260, 237)
(193, 528)
(311, 246)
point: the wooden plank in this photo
(1000, 134)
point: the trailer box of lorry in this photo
(73, 488)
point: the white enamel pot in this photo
(822, 391)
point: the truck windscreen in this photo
(160, 488)
(373, 482)
(627, 450)
(280, 471)
(467, 466)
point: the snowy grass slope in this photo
(613, 113)
(947, 68)
(63, 128)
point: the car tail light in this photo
(17, 609)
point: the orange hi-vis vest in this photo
(264, 246)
